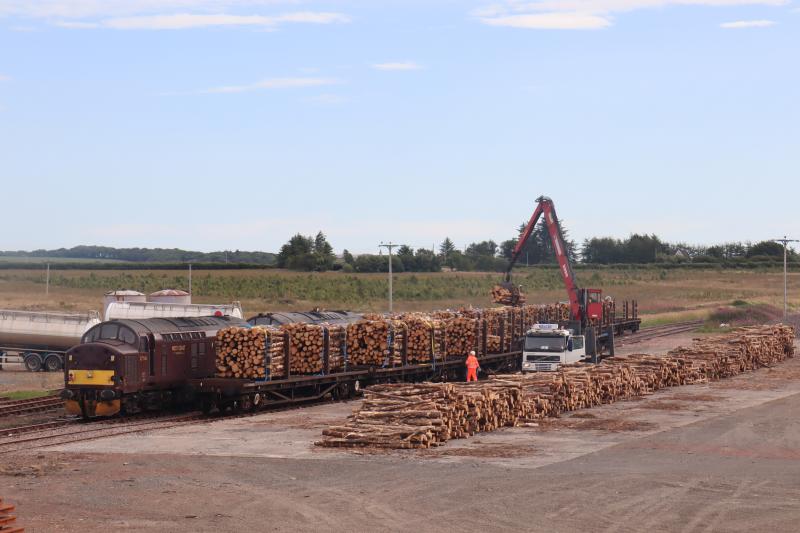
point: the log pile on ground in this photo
(306, 348)
(424, 415)
(421, 415)
(244, 352)
(7, 520)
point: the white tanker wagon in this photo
(38, 340)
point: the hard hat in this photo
(472, 352)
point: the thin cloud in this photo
(274, 83)
(74, 24)
(586, 14)
(189, 21)
(551, 21)
(400, 65)
(162, 14)
(747, 24)
(88, 9)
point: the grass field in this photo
(663, 295)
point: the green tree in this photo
(323, 253)
(482, 249)
(348, 257)
(446, 248)
(765, 248)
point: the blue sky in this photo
(211, 124)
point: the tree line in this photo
(147, 255)
(315, 253)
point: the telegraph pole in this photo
(190, 278)
(389, 245)
(47, 283)
(785, 241)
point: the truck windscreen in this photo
(542, 343)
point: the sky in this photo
(233, 124)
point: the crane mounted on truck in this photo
(588, 313)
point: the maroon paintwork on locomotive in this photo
(149, 361)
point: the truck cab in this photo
(547, 346)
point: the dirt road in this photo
(717, 457)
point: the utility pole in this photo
(389, 246)
(190, 278)
(785, 241)
(47, 282)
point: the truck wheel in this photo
(33, 362)
(53, 363)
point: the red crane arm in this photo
(545, 206)
(523, 238)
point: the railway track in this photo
(19, 407)
(82, 430)
(78, 431)
(8, 432)
(654, 332)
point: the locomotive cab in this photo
(95, 371)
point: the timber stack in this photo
(425, 337)
(461, 334)
(246, 352)
(507, 295)
(337, 344)
(368, 342)
(306, 348)
(424, 415)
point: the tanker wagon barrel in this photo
(39, 340)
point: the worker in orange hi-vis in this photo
(472, 367)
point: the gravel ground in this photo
(716, 457)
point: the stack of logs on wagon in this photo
(429, 414)
(267, 352)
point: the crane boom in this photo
(546, 207)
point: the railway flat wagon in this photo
(39, 340)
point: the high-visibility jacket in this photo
(472, 362)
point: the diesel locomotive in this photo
(133, 365)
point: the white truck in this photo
(547, 346)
